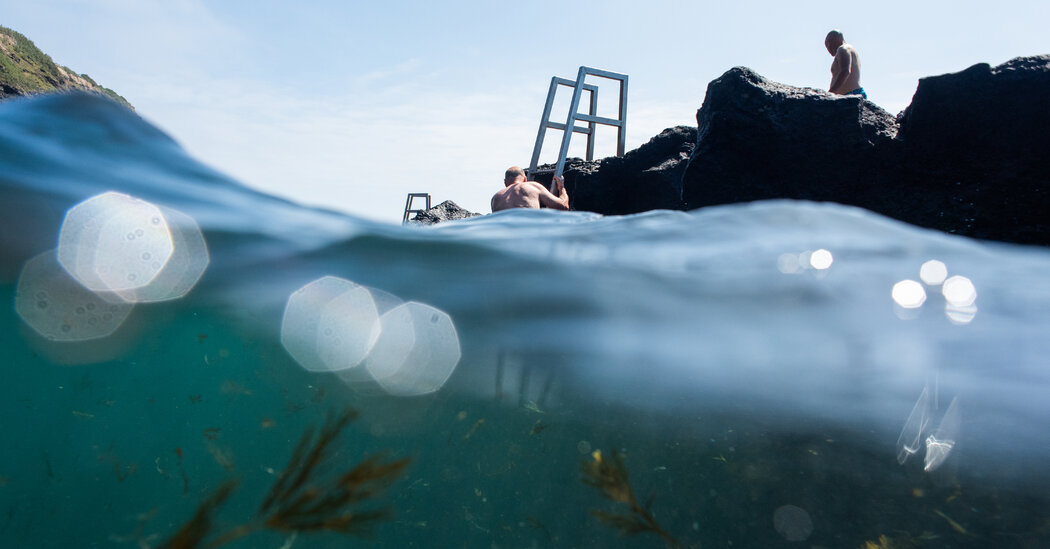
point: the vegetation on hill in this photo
(25, 70)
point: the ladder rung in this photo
(560, 126)
(599, 120)
(572, 84)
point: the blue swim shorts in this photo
(858, 91)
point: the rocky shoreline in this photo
(968, 156)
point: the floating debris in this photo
(223, 456)
(474, 429)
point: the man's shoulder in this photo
(527, 185)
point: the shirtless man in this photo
(845, 69)
(520, 193)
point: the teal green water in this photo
(739, 392)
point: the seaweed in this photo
(610, 476)
(193, 533)
(300, 501)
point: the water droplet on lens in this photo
(41, 295)
(146, 256)
(139, 232)
(434, 318)
(91, 306)
(66, 328)
(156, 220)
(107, 317)
(81, 310)
(132, 277)
(131, 236)
(41, 304)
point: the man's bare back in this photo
(845, 69)
(519, 193)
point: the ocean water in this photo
(775, 374)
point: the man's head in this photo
(514, 175)
(833, 40)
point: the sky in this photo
(352, 105)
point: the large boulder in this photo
(759, 139)
(977, 142)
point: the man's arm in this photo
(558, 201)
(840, 69)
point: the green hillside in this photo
(25, 70)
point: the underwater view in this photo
(192, 363)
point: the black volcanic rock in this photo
(969, 156)
(978, 141)
(647, 178)
(446, 211)
(759, 139)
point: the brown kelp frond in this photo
(610, 476)
(307, 456)
(199, 527)
(301, 502)
(331, 506)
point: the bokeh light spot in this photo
(131, 249)
(349, 327)
(91, 249)
(67, 310)
(313, 333)
(792, 523)
(959, 291)
(933, 272)
(415, 354)
(788, 264)
(182, 269)
(821, 259)
(909, 294)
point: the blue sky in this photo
(352, 105)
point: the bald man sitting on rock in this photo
(845, 69)
(519, 193)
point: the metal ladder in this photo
(592, 119)
(408, 205)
